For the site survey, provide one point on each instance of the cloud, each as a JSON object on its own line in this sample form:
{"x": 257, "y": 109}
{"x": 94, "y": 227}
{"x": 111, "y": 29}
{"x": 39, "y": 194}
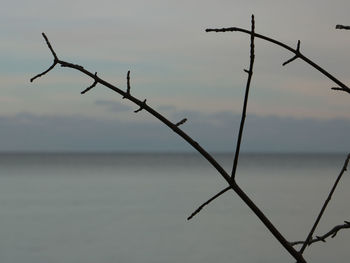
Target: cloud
{"x": 215, "y": 132}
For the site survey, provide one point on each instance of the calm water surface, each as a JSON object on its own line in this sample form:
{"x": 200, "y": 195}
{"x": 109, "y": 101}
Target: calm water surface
{"x": 133, "y": 208}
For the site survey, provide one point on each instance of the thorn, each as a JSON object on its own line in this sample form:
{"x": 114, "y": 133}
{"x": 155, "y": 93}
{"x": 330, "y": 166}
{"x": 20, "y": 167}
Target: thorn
{"x": 181, "y": 122}
{"x": 297, "y": 54}
{"x": 141, "y": 106}
{"x": 336, "y": 88}
{"x": 347, "y": 222}
{"x": 246, "y": 71}
{"x": 90, "y": 87}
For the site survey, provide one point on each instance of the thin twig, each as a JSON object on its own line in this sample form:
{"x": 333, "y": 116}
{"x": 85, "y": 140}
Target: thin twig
{"x": 309, "y": 237}
{"x": 342, "y": 27}
{"x": 332, "y": 233}
{"x": 55, "y": 59}
{"x": 127, "y": 84}
{"x": 245, "y": 104}
{"x": 208, "y": 201}
{"x": 43, "y": 73}
{"x": 181, "y": 122}
{"x": 297, "y": 52}
{"x": 90, "y": 87}
{"x": 337, "y": 88}
{"x": 203, "y": 152}
{"x": 278, "y": 43}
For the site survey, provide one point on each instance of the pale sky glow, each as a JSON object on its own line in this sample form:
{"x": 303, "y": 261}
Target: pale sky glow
{"x": 173, "y": 62}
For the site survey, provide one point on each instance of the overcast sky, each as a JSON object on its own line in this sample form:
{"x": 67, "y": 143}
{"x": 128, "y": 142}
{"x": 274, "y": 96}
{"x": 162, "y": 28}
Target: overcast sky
{"x": 180, "y": 69}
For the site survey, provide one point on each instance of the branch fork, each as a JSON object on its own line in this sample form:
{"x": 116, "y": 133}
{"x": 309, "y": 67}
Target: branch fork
{"x": 297, "y": 55}
{"x": 92, "y": 86}
{"x": 244, "y": 197}
{"x": 230, "y": 179}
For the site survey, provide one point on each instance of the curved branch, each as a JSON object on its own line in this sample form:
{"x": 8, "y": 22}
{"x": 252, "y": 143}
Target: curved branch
{"x": 332, "y": 233}
{"x": 199, "y": 149}
{"x": 295, "y": 51}
{"x": 46, "y": 71}
{"x": 208, "y": 202}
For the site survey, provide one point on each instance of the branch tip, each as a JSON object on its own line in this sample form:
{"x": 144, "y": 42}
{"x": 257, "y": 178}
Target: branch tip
{"x": 181, "y": 122}
{"x": 49, "y": 45}
{"x": 208, "y": 202}
{"x": 128, "y": 83}
{"x": 342, "y": 27}
{"x": 245, "y": 102}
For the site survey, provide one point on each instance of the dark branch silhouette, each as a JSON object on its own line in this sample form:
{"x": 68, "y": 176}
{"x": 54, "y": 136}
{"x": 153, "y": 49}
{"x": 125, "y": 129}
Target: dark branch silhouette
{"x": 229, "y": 179}
{"x": 89, "y": 88}
{"x": 55, "y": 60}
{"x": 181, "y": 122}
{"x": 342, "y": 27}
{"x": 309, "y": 237}
{"x": 194, "y": 144}
{"x": 295, "y": 51}
{"x": 332, "y": 233}
{"x": 297, "y": 55}
{"x": 127, "y": 84}
{"x": 207, "y": 202}
{"x": 142, "y": 106}
{"x": 245, "y": 104}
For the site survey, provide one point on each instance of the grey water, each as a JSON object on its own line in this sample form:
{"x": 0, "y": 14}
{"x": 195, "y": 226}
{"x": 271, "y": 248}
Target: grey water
{"x": 133, "y": 208}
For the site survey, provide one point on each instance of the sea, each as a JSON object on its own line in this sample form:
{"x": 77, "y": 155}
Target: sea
{"x": 133, "y": 207}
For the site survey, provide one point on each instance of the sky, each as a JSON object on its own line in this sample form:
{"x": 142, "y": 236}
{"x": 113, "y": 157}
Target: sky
{"x": 181, "y": 70}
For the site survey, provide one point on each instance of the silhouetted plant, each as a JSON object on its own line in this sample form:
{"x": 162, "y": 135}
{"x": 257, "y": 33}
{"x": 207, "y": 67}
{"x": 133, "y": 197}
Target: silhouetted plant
{"x": 230, "y": 179}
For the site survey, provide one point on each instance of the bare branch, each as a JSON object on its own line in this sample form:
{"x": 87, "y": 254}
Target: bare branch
{"x": 55, "y": 60}
{"x": 50, "y": 47}
{"x": 245, "y": 104}
{"x": 278, "y": 43}
{"x": 90, "y": 87}
{"x": 43, "y": 73}
{"x": 309, "y": 237}
{"x": 341, "y": 89}
{"x": 244, "y": 110}
{"x": 203, "y": 152}
{"x": 342, "y": 27}
{"x": 297, "y": 52}
{"x": 332, "y": 233}
{"x": 207, "y": 202}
